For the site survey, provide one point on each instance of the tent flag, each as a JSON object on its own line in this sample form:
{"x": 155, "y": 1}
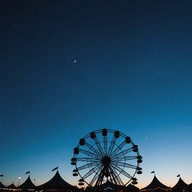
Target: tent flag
{"x": 27, "y": 172}
{"x": 55, "y": 168}
{"x": 152, "y": 171}
{"x": 1, "y": 175}
{"x": 178, "y": 175}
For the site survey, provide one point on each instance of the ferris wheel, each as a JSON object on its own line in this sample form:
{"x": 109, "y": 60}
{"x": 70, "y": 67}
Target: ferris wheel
{"x": 106, "y": 155}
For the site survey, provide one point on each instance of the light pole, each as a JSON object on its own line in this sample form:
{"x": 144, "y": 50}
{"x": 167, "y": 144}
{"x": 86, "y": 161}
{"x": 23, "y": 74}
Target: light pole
{"x": 19, "y": 179}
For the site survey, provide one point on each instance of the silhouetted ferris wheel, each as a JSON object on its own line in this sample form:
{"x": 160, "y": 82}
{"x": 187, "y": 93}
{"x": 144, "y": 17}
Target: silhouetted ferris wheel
{"x": 106, "y": 155}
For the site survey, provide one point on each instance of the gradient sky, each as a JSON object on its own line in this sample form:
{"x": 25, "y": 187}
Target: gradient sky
{"x": 71, "y": 67}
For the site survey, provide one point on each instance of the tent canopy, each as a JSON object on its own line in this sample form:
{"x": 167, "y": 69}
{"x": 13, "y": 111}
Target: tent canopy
{"x": 108, "y": 186}
{"x": 57, "y": 182}
{"x": 155, "y": 183}
{"x": 12, "y": 186}
{"x": 1, "y": 185}
{"x": 27, "y": 184}
{"x": 180, "y": 185}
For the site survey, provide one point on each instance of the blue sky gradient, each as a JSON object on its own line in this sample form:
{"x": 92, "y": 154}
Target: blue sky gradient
{"x": 70, "y": 67}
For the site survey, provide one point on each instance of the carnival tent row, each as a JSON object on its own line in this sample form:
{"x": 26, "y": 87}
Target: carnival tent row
{"x": 56, "y": 183}
{"x": 157, "y": 186}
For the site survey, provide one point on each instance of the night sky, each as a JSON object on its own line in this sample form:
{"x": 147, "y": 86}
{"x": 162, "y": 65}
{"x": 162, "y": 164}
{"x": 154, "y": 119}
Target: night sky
{"x": 71, "y": 67}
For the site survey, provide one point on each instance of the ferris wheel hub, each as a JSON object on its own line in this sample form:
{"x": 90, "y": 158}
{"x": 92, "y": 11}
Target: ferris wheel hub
{"x": 106, "y": 160}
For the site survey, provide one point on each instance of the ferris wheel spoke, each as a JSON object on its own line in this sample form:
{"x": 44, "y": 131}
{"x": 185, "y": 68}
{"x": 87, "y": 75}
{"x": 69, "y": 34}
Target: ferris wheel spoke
{"x": 92, "y": 148}
{"x": 118, "y": 148}
{"x": 115, "y": 177}
{"x": 98, "y": 145}
{"x": 100, "y": 176}
{"x": 90, "y": 172}
{"x": 128, "y": 158}
{"x": 127, "y": 165}
{"x": 120, "y": 170}
{"x": 82, "y": 159}
{"x": 88, "y": 165}
{"x": 122, "y": 153}
{"x": 112, "y": 144}
{"x": 95, "y": 177}
{"x": 105, "y": 144}
{"x": 89, "y": 153}
{"x": 124, "y": 158}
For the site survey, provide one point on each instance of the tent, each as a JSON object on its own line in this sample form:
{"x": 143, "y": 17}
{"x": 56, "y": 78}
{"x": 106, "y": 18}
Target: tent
{"x": 11, "y": 187}
{"x": 108, "y": 186}
{"x": 56, "y": 183}
{"x": 155, "y": 185}
{"x": 180, "y": 186}
{"x": 1, "y": 185}
{"x": 131, "y": 188}
{"x": 27, "y": 184}
{"x": 190, "y": 187}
